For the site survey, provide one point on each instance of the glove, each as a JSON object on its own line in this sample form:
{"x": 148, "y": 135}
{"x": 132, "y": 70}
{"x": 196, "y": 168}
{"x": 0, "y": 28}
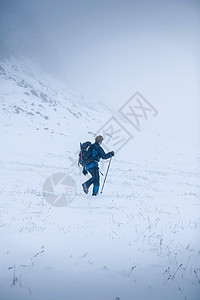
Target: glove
{"x": 84, "y": 172}
{"x": 112, "y": 153}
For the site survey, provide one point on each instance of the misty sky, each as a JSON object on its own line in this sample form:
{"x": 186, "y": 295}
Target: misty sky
{"x": 108, "y": 50}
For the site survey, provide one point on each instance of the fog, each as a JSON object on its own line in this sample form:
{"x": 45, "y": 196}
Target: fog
{"x": 108, "y": 50}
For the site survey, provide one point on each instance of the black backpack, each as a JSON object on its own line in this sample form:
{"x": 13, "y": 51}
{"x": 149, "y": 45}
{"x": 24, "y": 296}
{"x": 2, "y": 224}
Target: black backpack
{"x": 85, "y": 154}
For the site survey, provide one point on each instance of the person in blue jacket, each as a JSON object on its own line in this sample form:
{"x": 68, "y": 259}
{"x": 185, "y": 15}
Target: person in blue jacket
{"x": 93, "y": 168}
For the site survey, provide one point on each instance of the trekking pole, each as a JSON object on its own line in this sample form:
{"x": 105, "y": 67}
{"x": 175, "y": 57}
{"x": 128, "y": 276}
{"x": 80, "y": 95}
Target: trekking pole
{"x": 106, "y": 175}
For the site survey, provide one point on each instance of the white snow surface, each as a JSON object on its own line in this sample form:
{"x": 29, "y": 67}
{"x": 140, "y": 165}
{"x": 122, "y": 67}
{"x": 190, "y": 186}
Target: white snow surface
{"x": 140, "y": 239}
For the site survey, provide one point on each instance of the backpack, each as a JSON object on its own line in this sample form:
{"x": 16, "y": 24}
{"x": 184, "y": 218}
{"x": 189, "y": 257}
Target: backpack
{"x": 85, "y": 154}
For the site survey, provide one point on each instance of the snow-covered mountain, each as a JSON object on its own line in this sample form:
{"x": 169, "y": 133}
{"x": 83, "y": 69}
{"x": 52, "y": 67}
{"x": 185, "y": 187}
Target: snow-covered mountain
{"x": 138, "y": 240}
{"x": 38, "y": 110}
{"x": 39, "y": 116}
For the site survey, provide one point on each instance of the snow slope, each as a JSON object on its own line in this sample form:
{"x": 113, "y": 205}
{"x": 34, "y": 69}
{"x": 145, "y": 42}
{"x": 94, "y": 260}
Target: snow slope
{"x": 35, "y": 108}
{"x": 139, "y": 240}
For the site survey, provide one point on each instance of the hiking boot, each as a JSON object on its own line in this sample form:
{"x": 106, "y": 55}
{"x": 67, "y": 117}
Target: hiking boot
{"x": 95, "y": 190}
{"x": 85, "y": 188}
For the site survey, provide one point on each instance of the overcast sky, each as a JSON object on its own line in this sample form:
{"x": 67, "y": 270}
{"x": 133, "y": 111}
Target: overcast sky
{"x": 108, "y": 50}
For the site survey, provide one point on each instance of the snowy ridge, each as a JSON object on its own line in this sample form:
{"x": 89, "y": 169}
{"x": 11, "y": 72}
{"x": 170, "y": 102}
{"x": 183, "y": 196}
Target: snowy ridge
{"x": 36, "y": 108}
{"x": 28, "y": 89}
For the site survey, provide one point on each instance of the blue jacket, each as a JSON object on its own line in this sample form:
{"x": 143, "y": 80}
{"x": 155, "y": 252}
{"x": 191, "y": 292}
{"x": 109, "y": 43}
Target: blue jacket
{"x": 97, "y": 154}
